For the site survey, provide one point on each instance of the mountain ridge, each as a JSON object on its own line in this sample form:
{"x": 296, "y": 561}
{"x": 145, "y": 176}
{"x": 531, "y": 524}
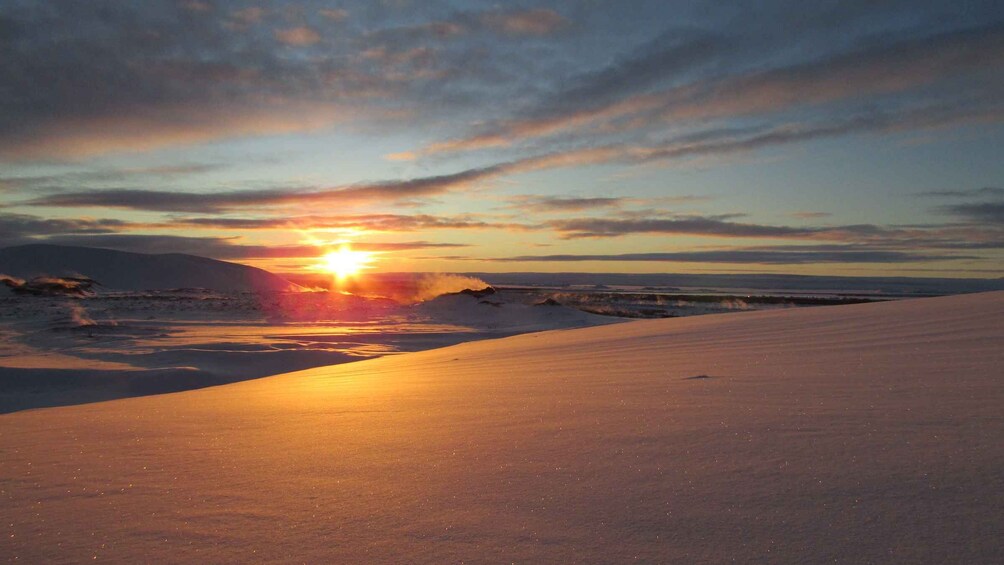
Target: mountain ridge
{"x": 127, "y": 270}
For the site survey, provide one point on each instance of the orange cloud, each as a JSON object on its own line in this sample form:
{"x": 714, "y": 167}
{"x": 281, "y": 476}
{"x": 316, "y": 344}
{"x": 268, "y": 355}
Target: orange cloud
{"x": 507, "y": 133}
{"x": 353, "y": 222}
{"x": 298, "y": 36}
{"x": 529, "y": 22}
{"x": 402, "y": 156}
{"x": 86, "y": 137}
{"x": 334, "y": 14}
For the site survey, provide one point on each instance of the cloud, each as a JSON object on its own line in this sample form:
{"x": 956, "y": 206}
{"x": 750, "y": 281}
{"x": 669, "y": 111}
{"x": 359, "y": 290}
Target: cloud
{"x": 223, "y": 247}
{"x": 985, "y": 231}
{"x": 81, "y": 137}
{"x": 607, "y": 227}
{"x": 298, "y": 36}
{"x": 807, "y": 215}
{"x": 955, "y": 236}
{"x": 89, "y": 78}
{"x": 523, "y": 22}
{"x": 405, "y": 37}
{"x": 714, "y": 144}
{"x": 155, "y": 200}
{"x": 980, "y": 212}
{"x": 552, "y": 204}
{"x": 171, "y": 201}
{"x": 20, "y": 229}
{"x": 197, "y": 6}
{"x": 249, "y": 15}
{"x": 986, "y": 191}
{"x": 537, "y": 203}
{"x": 16, "y": 228}
{"x": 367, "y": 222}
{"x": 401, "y": 156}
{"x": 717, "y": 143}
{"x": 872, "y": 70}
{"x": 404, "y": 246}
{"x": 77, "y": 179}
{"x": 936, "y": 236}
{"x": 730, "y": 141}
{"x": 334, "y": 14}
{"x": 599, "y": 94}
{"x": 612, "y": 93}
{"x": 755, "y": 256}
{"x": 532, "y": 22}
{"x": 216, "y": 247}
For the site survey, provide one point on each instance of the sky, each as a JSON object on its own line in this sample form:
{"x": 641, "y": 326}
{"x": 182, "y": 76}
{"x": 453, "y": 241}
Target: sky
{"x": 836, "y": 138}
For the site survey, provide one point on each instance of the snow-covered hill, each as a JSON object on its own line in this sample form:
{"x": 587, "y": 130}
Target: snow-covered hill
{"x": 868, "y": 433}
{"x": 121, "y": 270}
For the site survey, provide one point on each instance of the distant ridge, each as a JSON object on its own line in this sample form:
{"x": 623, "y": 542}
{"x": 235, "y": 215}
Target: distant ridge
{"x": 122, "y": 270}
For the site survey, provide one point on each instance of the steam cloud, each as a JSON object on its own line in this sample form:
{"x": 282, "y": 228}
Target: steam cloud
{"x": 431, "y": 286}
{"x": 79, "y": 316}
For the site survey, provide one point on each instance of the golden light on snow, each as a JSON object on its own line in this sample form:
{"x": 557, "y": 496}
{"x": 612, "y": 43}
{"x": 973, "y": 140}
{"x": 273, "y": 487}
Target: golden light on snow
{"x": 345, "y": 262}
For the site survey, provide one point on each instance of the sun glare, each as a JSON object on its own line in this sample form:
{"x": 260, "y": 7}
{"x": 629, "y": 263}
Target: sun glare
{"x": 345, "y": 262}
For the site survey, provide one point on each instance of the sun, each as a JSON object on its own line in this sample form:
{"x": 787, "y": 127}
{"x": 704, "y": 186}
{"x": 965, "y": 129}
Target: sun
{"x": 344, "y": 262}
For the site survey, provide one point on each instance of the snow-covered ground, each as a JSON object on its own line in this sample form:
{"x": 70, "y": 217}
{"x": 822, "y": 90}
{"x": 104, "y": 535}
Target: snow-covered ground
{"x": 854, "y": 434}
{"x": 67, "y": 349}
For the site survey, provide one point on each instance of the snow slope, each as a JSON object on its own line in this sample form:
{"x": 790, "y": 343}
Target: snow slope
{"x": 121, "y": 270}
{"x": 855, "y": 434}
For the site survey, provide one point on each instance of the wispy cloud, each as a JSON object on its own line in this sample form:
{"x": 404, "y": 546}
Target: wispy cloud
{"x": 223, "y": 247}
{"x": 134, "y": 78}
{"x": 84, "y": 79}
{"x": 172, "y": 201}
{"x": 14, "y": 228}
{"x": 986, "y": 191}
{"x": 719, "y": 143}
{"x": 334, "y": 14}
{"x": 537, "y": 21}
{"x": 877, "y": 69}
{"x": 249, "y": 15}
{"x": 984, "y": 233}
{"x": 76, "y": 179}
{"x": 980, "y": 212}
{"x": 298, "y": 36}
{"x": 87, "y": 136}
{"x": 545, "y": 204}
{"x": 366, "y": 222}
{"x": 765, "y": 256}
{"x": 607, "y": 227}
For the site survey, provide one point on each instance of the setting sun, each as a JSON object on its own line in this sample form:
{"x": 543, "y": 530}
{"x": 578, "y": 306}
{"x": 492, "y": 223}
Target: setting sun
{"x": 345, "y": 262}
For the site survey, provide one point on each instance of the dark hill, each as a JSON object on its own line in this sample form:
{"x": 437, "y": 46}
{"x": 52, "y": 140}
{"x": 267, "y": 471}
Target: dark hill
{"x": 121, "y": 270}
